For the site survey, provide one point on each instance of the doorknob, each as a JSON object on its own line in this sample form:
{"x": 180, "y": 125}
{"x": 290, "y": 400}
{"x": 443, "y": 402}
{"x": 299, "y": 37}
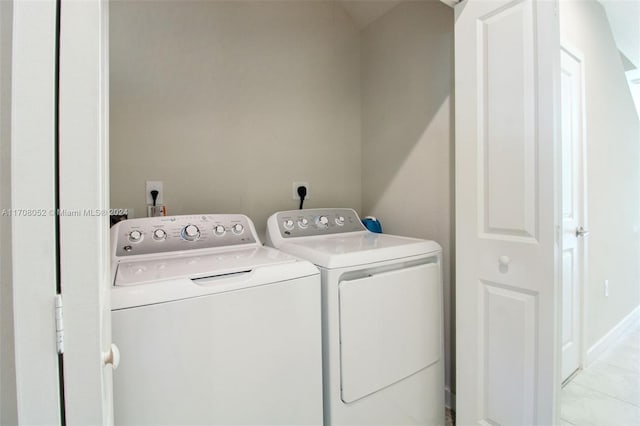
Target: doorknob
{"x": 112, "y": 357}
{"x": 581, "y": 232}
{"x": 503, "y": 264}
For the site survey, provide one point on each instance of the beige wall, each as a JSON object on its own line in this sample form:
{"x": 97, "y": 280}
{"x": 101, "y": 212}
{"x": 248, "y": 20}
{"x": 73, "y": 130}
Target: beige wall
{"x": 228, "y": 103}
{"x": 407, "y": 122}
{"x": 613, "y": 170}
{"x": 8, "y": 403}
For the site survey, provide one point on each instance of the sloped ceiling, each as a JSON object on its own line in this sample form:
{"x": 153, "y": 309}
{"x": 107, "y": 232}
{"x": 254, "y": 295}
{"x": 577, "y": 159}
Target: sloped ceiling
{"x": 624, "y": 18}
{"x": 364, "y": 12}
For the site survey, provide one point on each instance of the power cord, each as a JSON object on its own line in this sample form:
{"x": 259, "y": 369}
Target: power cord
{"x": 302, "y": 193}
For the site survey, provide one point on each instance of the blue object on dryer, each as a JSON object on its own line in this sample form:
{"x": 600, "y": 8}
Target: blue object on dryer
{"x": 372, "y": 224}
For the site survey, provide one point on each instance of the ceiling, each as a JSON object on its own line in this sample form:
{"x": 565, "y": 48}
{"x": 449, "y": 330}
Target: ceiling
{"x": 624, "y": 18}
{"x": 364, "y": 12}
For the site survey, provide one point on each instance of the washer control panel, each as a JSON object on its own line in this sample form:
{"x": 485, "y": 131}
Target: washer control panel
{"x": 152, "y": 235}
{"x": 309, "y": 222}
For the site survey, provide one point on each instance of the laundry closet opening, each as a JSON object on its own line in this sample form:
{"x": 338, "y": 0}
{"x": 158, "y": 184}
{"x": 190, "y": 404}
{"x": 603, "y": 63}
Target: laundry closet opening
{"x": 230, "y": 102}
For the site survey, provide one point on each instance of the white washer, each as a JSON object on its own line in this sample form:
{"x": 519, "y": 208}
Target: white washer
{"x": 382, "y": 317}
{"x": 212, "y": 327}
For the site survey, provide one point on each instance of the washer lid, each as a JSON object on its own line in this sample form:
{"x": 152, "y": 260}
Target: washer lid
{"x": 221, "y": 263}
{"x": 357, "y": 248}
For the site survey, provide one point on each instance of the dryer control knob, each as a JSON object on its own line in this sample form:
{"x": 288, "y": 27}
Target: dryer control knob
{"x": 237, "y": 228}
{"x": 340, "y": 220}
{"x": 219, "y": 230}
{"x": 288, "y": 224}
{"x": 135, "y": 236}
{"x": 322, "y": 221}
{"x": 190, "y": 232}
{"x": 303, "y": 223}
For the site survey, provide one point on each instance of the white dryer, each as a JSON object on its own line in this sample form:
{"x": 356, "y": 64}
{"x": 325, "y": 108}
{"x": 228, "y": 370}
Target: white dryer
{"x": 212, "y": 327}
{"x": 382, "y": 317}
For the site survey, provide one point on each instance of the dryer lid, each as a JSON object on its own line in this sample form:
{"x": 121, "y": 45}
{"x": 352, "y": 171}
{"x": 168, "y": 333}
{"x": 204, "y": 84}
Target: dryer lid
{"x": 357, "y": 248}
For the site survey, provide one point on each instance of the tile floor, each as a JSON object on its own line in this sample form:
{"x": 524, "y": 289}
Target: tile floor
{"x": 607, "y": 393}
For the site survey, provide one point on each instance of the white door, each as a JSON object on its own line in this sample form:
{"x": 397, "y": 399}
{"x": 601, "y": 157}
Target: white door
{"x": 507, "y": 211}
{"x": 573, "y": 219}
{"x": 84, "y": 199}
{"x": 59, "y": 220}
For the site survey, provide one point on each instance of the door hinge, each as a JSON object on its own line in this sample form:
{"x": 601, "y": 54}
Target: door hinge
{"x": 59, "y": 325}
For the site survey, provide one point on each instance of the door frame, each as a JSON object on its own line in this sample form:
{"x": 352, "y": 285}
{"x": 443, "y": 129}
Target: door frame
{"x": 573, "y": 51}
{"x": 33, "y": 212}
{"x": 59, "y": 211}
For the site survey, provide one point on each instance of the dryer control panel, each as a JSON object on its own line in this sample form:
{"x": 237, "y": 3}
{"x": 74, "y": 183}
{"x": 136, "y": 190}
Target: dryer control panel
{"x": 310, "y": 222}
{"x": 155, "y": 235}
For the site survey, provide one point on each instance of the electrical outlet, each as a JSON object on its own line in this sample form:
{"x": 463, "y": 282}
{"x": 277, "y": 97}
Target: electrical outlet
{"x": 295, "y": 190}
{"x": 606, "y": 288}
{"x": 157, "y": 185}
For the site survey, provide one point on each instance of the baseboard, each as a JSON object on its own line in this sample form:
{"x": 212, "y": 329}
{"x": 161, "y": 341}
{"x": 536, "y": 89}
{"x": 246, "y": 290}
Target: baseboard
{"x": 449, "y": 399}
{"x": 614, "y": 334}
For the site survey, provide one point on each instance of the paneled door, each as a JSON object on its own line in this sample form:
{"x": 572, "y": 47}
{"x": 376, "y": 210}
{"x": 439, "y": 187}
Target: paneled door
{"x": 507, "y": 70}
{"x": 573, "y": 211}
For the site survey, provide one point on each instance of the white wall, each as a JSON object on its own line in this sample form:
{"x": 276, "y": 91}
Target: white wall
{"x": 8, "y": 407}
{"x": 613, "y": 170}
{"x": 407, "y": 122}
{"x": 228, "y": 103}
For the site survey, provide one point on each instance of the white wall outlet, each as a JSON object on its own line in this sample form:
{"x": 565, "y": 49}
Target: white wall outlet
{"x": 295, "y": 190}
{"x": 157, "y": 185}
{"x": 606, "y": 288}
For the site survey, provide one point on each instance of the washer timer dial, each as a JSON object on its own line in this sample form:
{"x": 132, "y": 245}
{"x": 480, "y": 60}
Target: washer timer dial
{"x": 190, "y": 232}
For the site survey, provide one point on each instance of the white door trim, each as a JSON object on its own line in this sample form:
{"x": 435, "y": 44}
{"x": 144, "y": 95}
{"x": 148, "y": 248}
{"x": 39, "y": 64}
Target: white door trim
{"x": 33, "y": 205}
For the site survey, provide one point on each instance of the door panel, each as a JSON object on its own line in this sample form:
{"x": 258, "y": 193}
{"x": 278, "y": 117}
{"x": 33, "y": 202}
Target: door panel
{"x": 509, "y": 327}
{"x": 506, "y": 211}
{"x": 506, "y": 118}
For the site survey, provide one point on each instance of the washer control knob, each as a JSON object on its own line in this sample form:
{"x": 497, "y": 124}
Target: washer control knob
{"x": 190, "y": 232}
{"x": 322, "y": 221}
{"x": 237, "y": 228}
{"x": 303, "y": 223}
{"x": 340, "y": 220}
{"x": 135, "y": 236}
{"x": 219, "y": 230}
{"x": 159, "y": 234}
{"x": 288, "y": 224}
